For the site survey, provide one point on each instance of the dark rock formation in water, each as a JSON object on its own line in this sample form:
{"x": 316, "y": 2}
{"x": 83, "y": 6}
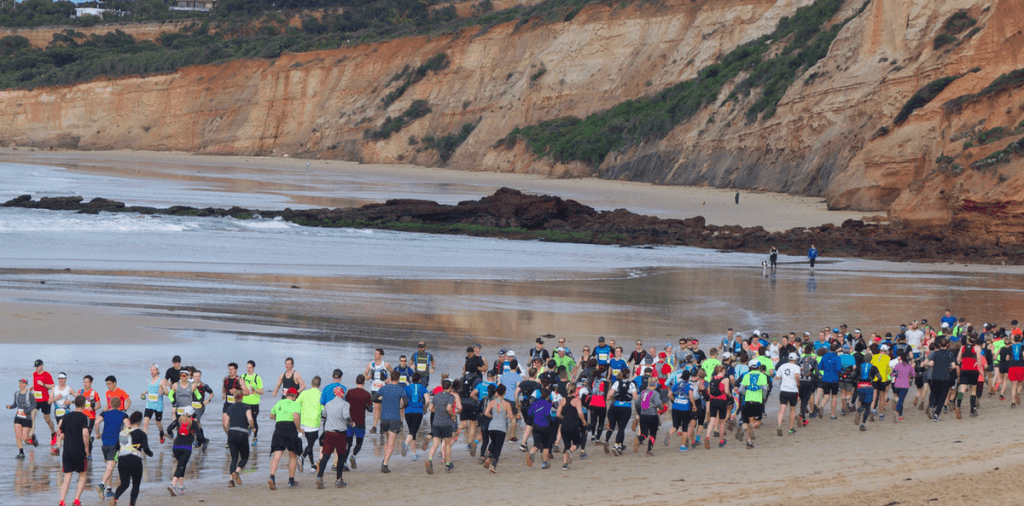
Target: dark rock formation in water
{"x": 512, "y": 214}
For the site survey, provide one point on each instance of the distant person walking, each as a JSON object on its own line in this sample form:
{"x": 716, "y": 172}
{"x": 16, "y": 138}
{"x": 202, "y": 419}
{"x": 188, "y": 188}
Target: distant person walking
{"x": 812, "y": 254}
{"x": 737, "y": 197}
{"x": 773, "y": 256}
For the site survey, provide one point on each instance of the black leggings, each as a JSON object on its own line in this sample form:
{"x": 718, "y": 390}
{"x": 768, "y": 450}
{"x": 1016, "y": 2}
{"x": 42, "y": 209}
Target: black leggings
{"x": 648, "y": 429}
{"x": 311, "y": 438}
{"x": 414, "y": 420}
{"x": 484, "y": 423}
{"x": 497, "y": 441}
{"x": 806, "y": 390}
{"x": 238, "y": 445}
{"x": 618, "y": 416}
{"x": 130, "y": 469}
{"x": 940, "y": 390}
{"x": 597, "y": 417}
{"x": 182, "y": 457}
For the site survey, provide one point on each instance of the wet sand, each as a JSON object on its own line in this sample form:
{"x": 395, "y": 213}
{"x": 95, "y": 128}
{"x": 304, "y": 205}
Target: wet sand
{"x": 773, "y": 211}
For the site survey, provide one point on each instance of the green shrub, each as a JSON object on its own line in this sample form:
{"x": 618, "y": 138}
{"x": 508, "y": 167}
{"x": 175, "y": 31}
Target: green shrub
{"x": 418, "y": 109}
{"x": 1002, "y": 83}
{"x": 540, "y": 72}
{"x": 447, "y": 145}
{"x": 959, "y": 22}
{"x": 944, "y": 39}
{"x": 922, "y": 97}
{"x": 436, "y": 63}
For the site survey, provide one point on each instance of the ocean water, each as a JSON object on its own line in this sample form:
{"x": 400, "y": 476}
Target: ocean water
{"x": 216, "y": 290}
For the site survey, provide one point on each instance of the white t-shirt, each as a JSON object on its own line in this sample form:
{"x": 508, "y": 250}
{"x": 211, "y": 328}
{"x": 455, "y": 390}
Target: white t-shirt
{"x": 788, "y": 372}
{"x": 914, "y": 338}
{"x": 773, "y": 352}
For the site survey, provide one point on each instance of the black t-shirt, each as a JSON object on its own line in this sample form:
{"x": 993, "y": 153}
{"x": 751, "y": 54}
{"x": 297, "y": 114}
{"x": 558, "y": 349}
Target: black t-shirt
{"x": 542, "y": 354}
{"x": 236, "y": 415}
{"x": 526, "y": 387}
{"x": 474, "y": 363}
{"x": 942, "y": 359}
{"x": 72, "y": 426}
{"x": 550, "y": 376}
{"x": 172, "y": 375}
{"x": 701, "y": 357}
{"x": 637, "y": 356}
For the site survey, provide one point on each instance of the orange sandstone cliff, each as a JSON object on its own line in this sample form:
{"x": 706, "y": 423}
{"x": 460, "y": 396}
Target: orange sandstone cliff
{"x": 833, "y": 134}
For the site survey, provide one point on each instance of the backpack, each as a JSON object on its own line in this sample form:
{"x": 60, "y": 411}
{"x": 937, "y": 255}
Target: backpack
{"x": 622, "y": 394}
{"x": 808, "y": 368}
{"x": 716, "y": 387}
{"x": 645, "y": 399}
{"x": 469, "y": 382}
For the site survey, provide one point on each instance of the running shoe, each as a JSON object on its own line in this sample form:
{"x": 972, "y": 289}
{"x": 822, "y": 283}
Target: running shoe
{"x": 697, "y": 439}
{"x": 339, "y": 484}
{"x": 492, "y": 469}
{"x": 101, "y": 488}
{"x": 272, "y": 482}
{"x": 34, "y": 440}
{"x": 636, "y": 445}
{"x": 523, "y": 448}
{"x": 373, "y": 430}
{"x": 256, "y": 441}
{"x": 666, "y": 442}
{"x": 292, "y": 484}
{"x": 405, "y": 449}
{"x": 565, "y": 467}
{"x": 231, "y": 483}
{"x": 415, "y": 457}
{"x": 487, "y": 462}
{"x": 684, "y": 448}
{"x": 352, "y": 461}
{"x": 958, "y": 416}
{"x": 935, "y": 418}
{"x": 606, "y": 450}
{"x": 320, "y": 483}
{"x": 805, "y": 423}
{"x": 650, "y": 453}
{"x": 881, "y": 417}
{"x": 779, "y": 431}
{"x": 555, "y": 449}
{"x": 974, "y": 412}
{"x": 53, "y": 437}
{"x": 384, "y": 469}
{"x": 707, "y": 443}
{"x": 721, "y": 443}
{"x": 583, "y": 455}
{"x": 842, "y": 412}
{"x": 110, "y": 493}
{"x": 739, "y": 433}
{"x": 863, "y": 428}
{"x": 544, "y": 465}
{"x": 237, "y": 478}
{"x": 750, "y": 445}
{"x": 792, "y": 431}
{"x": 426, "y": 442}
{"x": 172, "y": 491}
{"x": 429, "y": 464}
{"x": 472, "y": 449}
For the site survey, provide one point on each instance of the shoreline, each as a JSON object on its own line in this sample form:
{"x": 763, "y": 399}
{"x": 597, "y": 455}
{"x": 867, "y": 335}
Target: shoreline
{"x": 717, "y": 205}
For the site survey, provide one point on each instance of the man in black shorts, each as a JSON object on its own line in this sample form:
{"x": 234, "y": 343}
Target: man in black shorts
{"x": 74, "y": 431}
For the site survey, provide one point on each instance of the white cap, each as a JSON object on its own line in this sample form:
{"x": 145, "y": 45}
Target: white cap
{"x": 857, "y": 331}
{"x": 757, "y": 332}
{"x": 793, "y": 357}
{"x": 884, "y": 347}
{"x": 726, "y": 355}
{"x": 945, "y": 325}
{"x": 560, "y": 349}
{"x": 510, "y": 353}
{"x": 807, "y": 333}
{"x": 754, "y": 364}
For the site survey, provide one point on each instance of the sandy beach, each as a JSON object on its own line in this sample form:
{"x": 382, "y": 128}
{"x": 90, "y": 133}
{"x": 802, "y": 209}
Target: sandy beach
{"x": 773, "y": 211}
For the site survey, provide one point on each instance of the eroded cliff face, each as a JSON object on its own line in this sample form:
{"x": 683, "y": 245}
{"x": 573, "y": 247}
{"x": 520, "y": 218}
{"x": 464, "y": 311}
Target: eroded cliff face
{"x": 832, "y": 135}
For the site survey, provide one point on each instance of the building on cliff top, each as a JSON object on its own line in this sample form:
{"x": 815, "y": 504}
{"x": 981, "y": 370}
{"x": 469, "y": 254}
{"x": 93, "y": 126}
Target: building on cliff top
{"x": 193, "y": 5}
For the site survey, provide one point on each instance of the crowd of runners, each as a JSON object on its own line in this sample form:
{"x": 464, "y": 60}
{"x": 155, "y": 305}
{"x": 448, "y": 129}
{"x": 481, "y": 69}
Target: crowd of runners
{"x": 556, "y": 401}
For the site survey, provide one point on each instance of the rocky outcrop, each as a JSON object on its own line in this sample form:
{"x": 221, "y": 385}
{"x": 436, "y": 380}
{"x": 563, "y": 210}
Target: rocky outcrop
{"x": 832, "y": 135}
{"x": 514, "y": 215}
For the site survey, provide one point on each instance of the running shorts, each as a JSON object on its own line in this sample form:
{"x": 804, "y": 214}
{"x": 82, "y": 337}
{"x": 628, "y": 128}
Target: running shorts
{"x": 441, "y": 431}
{"x": 152, "y": 412}
{"x": 752, "y": 410}
{"x": 356, "y": 431}
{"x": 375, "y": 397}
{"x": 43, "y": 407}
{"x": 541, "y": 438}
{"x": 469, "y": 412}
{"x": 830, "y": 388}
{"x": 1004, "y": 367}
{"x": 24, "y": 422}
{"x": 789, "y": 398}
{"x": 73, "y": 463}
{"x": 334, "y": 442}
{"x": 572, "y": 437}
{"x": 968, "y": 377}
{"x": 286, "y": 440}
{"x": 109, "y": 452}
{"x": 681, "y": 419}
{"x": 391, "y": 426}
{"x": 1016, "y": 374}
{"x": 719, "y": 408}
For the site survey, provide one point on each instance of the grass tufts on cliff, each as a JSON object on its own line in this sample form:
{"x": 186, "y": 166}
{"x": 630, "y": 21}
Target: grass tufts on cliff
{"x": 590, "y": 140}
{"x": 417, "y": 109}
{"x": 1000, "y": 84}
{"x": 446, "y": 145}
{"x": 922, "y": 97}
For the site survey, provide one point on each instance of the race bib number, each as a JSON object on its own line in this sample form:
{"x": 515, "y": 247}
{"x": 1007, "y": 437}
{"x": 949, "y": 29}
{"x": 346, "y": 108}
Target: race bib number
{"x": 197, "y": 405}
{"x": 377, "y": 384}
{"x": 60, "y": 412}
{"x": 403, "y": 379}
{"x": 179, "y": 411}
{"x": 231, "y": 398}
{"x": 21, "y": 413}
{"x": 616, "y": 372}
{"x": 153, "y": 397}
{"x": 38, "y": 395}
{"x": 421, "y": 367}
{"x": 603, "y": 357}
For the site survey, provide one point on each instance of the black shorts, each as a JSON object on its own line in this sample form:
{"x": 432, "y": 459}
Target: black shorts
{"x": 73, "y": 463}
{"x": 441, "y": 431}
{"x": 286, "y": 440}
{"x": 375, "y": 397}
{"x": 43, "y": 407}
{"x": 752, "y": 410}
{"x": 830, "y": 388}
{"x": 919, "y": 380}
{"x": 789, "y": 398}
{"x": 969, "y": 377}
{"x": 24, "y": 422}
{"x": 152, "y": 412}
{"x": 879, "y": 385}
{"x": 719, "y": 408}
{"x": 572, "y": 437}
{"x": 681, "y": 419}
{"x": 700, "y": 414}
{"x": 255, "y": 410}
{"x": 1004, "y": 367}
{"x": 515, "y": 408}
{"x": 542, "y": 438}
{"x": 469, "y": 412}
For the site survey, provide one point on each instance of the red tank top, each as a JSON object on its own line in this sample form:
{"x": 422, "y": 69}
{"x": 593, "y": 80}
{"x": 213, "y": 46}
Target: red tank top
{"x": 968, "y": 360}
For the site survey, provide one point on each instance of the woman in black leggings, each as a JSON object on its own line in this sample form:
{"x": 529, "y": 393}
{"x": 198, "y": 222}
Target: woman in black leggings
{"x": 133, "y": 444}
{"x": 188, "y": 432}
{"x": 498, "y": 411}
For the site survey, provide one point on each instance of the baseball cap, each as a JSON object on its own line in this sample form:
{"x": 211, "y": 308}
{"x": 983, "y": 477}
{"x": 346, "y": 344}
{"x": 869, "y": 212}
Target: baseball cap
{"x": 1014, "y": 322}
{"x": 757, "y": 332}
{"x": 924, "y": 321}
{"x": 793, "y": 357}
{"x": 600, "y": 339}
{"x": 884, "y": 347}
{"x": 753, "y": 364}
{"x": 835, "y": 329}
{"x": 62, "y": 375}
{"x": 337, "y": 373}
{"x": 695, "y": 341}
{"x": 510, "y": 353}
{"x": 846, "y": 347}
{"x": 807, "y": 333}
{"x": 23, "y": 380}
{"x": 560, "y": 348}
{"x": 291, "y": 391}
{"x": 503, "y": 351}
{"x": 667, "y": 346}
{"x": 726, "y": 356}
{"x": 39, "y": 362}
{"x": 945, "y": 325}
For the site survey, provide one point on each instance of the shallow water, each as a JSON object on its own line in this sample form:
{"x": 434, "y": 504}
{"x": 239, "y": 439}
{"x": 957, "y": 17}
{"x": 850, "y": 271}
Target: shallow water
{"x": 221, "y": 290}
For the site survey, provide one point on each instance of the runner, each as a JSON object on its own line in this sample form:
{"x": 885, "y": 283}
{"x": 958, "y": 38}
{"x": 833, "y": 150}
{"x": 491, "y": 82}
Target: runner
{"x": 808, "y": 364}
{"x": 254, "y": 389}
{"x": 499, "y": 410}
{"x": 683, "y": 401}
{"x": 881, "y": 361}
{"x": 480, "y": 396}
{"x": 405, "y": 371}
{"x": 647, "y": 406}
{"x": 719, "y": 391}
{"x": 942, "y": 364}
{"x": 377, "y": 372}
{"x": 526, "y": 392}
{"x": 154, "y": 397}
{"x": 789, "y": 375}
{"x": 188, "y": 432}
{"x": 74, "y": 431}
{"x": 538, "y": 351}
{"x": 237, "y": 421}
{"x": 539, "y": 414}
{"x": 830, "y": 366}
{"x": 335, "y": 423}
{"x": 113, "y": 422}
{"x": 181, "y": 393}
{"x": 63, "y": 400}
{"x": 638, "y": 355}
{"x": 360, "y": 403}
{"x": 423, "y": 362}
{"x": 443, "y": 406}
{"x": 570, "y": 412}
{"x": 621, "y": 398}
{"x": 417, "y": 394}
{"x": 392, "y": 399}
{"x": 25, "y": 403}
{"x": 602, "y": 352}
{"x": 472, "y": 370}
{"x": 1015, "y": 372}
{"x": 132, "y": 444}
{"x": 288, "y": 423}
{"x": 970, "y": 373}
{"x": 597, "y": 403}
{"x": 616, "y": 365}
{"x": 867, "y": 375}
{"x": 42, "y": 382}
{"x": 173, "y": 372}
{"x": 290, "y": 378}
{"x": 92, "y": 403}
{"x": 309, "y": 409}
{"x": 755, "y": 383}
{"x": 202, "y": 394}
{"x": 902, "y": 374}
{"x": 511, "y": 379}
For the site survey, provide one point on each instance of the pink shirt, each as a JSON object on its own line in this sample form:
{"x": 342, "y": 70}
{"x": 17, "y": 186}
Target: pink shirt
{"x": 902, "y": 374}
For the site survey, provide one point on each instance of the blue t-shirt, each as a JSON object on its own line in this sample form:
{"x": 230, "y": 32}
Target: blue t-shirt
{"x": 617, "y": 366}
{"x": 511, "y": 380}
{"x": 682, "y": 393}
{"x": 416, "y": 392}
{"x": 112, "y": 425}
{"x": 830, "y": 367}
{"x": 481, "y": 391}
{"x": 404, "y": 375}
{"x": 328, "y": 394}
{"x": 821, "y": 344}
{"x": 391, "y": 396}
{"x": 603, "y": 354}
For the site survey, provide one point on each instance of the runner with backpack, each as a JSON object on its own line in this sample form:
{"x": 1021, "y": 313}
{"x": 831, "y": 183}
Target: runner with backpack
{"x": 621, "y": 398}
{"x": 719, "y": 391}
{"x": 647, "y": 406}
